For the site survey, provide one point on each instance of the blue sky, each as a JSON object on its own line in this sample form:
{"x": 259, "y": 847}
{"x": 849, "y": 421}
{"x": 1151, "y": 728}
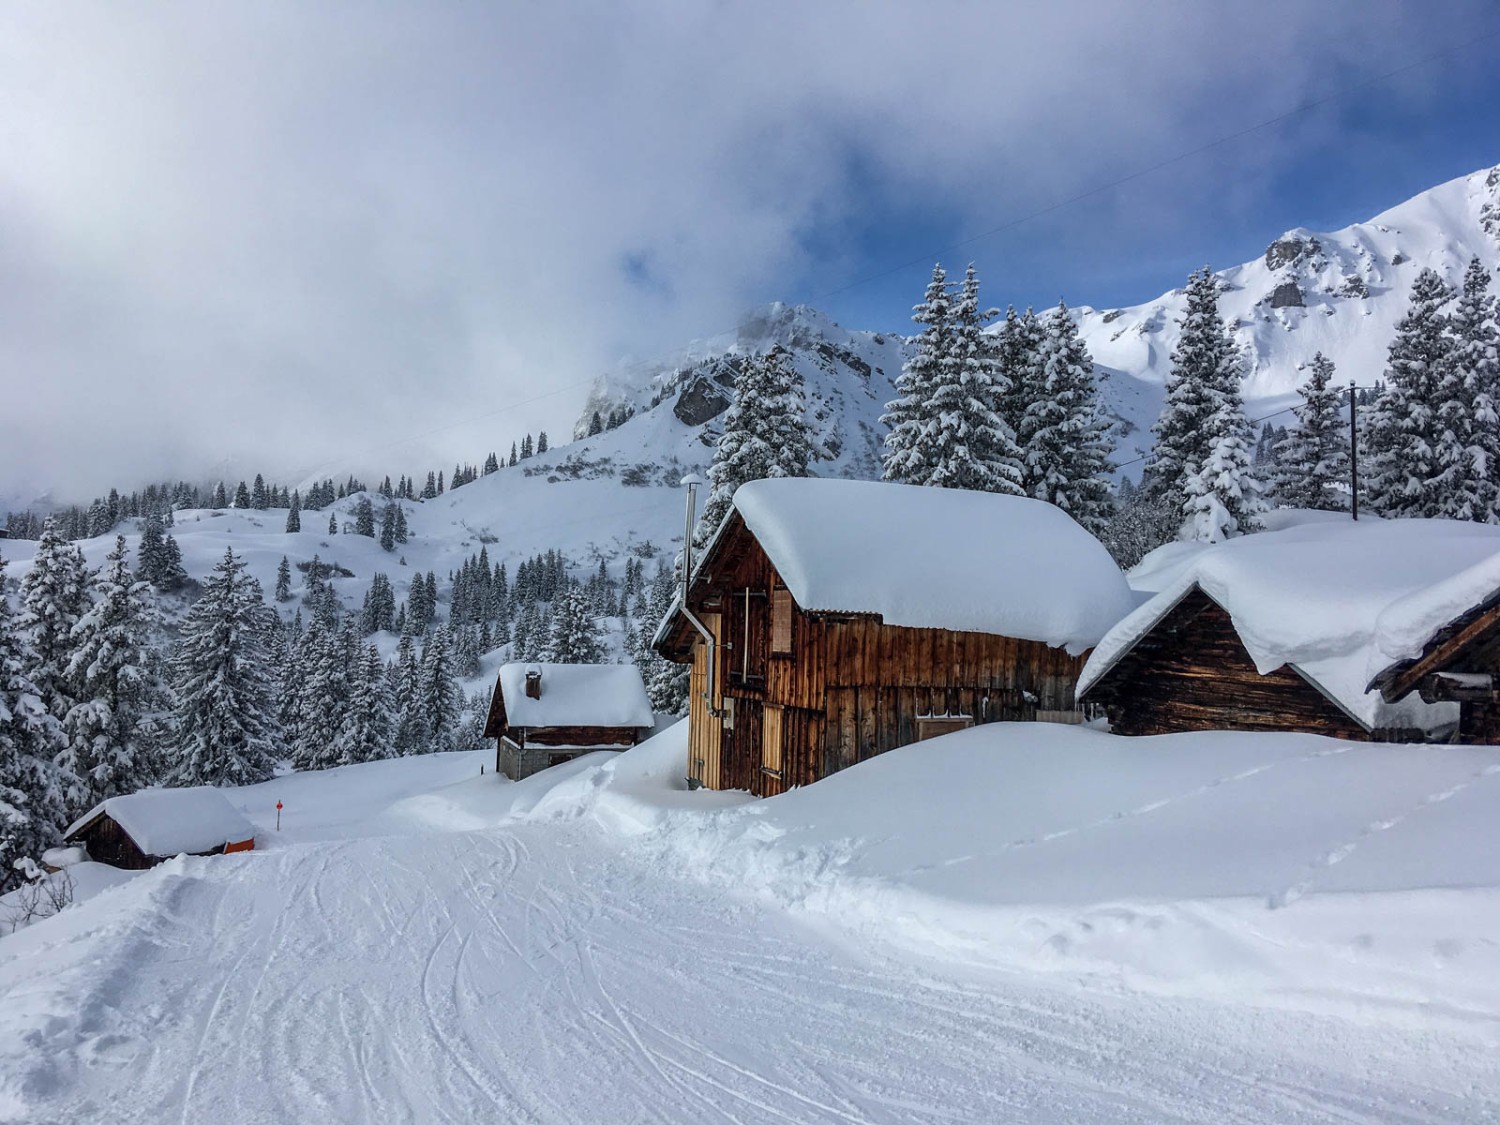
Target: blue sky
{"x": 266, "y": 237}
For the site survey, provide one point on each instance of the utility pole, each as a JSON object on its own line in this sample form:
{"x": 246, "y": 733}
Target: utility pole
{"x": 1353, "y": 456}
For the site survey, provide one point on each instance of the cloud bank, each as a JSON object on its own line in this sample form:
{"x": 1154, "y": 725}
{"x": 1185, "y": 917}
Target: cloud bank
{"x": 293, "y": 238}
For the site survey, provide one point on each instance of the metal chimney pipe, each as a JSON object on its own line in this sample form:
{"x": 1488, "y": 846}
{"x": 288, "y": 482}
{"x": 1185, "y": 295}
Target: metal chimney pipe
{"x": 692, "y": 481}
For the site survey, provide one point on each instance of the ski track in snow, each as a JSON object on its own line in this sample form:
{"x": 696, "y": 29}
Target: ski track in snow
{"x": 545, "y": 974}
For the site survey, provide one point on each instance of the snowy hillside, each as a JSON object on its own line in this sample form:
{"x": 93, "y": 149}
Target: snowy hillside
{"x": 1018, "y": 923}
{"x": 1340, "y": 293}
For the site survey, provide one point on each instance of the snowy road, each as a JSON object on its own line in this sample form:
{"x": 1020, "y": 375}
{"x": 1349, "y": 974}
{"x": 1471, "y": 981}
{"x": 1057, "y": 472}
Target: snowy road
{"x": 537, "y": 974}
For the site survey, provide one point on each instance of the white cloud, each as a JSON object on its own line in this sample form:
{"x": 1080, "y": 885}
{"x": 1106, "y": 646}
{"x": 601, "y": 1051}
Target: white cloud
{"x": 283, "y": 234}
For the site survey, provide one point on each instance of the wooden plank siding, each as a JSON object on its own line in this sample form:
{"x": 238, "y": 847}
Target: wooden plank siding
{"x": 819, "y": 692}
{"x": 1192, "y": 672}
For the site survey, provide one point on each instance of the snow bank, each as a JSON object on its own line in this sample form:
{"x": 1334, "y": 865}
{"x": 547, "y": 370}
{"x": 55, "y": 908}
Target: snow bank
{"x": 588, "y": 695}
{"x": 167, "y": 822}
{"x": 937, "y": 558}
{"x": 1311, "y": 595}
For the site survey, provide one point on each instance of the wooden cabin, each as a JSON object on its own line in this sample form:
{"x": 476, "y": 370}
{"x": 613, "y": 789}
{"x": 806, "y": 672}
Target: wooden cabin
{"x": 1189, "y": 670}
{"x": 1457, "y": 663}
{"x": 847, "y": 618}
{"x": 142, "y": 829}
{"x": 1280, "y": 630}
{"x": 544, "y": 714}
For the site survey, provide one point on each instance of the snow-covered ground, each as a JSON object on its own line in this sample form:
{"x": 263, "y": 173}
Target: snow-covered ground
{"x": 1016, "y": 923}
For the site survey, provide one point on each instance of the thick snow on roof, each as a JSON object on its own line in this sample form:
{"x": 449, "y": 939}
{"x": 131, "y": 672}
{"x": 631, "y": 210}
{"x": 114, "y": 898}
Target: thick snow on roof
{"x": 169, "y": 821}
{"x": 1407, "y": 624}
{"x": 576, "y": 695}
{"x": 937, "y": 558}
{"x": 1312, "y": 595}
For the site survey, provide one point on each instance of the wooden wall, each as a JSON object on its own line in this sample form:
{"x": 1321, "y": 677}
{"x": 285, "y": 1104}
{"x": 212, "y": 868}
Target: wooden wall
{"x": 1191, "y": 672}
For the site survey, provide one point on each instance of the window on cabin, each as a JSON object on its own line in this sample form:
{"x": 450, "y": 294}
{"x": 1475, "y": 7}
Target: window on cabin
{"x": 781, "y": 621}
{"x": 746, "y": 627}
{"x": 931, "y": 726}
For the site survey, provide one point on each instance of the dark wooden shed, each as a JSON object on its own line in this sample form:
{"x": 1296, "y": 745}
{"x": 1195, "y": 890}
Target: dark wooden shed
{"x": 140, "y": 830}
{"x": 851, "y": 617}
{"x": 1459, "y": 663}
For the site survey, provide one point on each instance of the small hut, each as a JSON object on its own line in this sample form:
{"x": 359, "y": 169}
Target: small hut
{"x": 831, "y": 620}
{"x": 143, "y": 829}
{"x": 1278, "y": 631}
{"x": 1443, "y": 645}
{"x": 545, "y": 714}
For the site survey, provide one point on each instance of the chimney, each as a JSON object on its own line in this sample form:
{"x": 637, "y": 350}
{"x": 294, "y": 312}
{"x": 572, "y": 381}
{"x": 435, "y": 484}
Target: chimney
{"x": 534, "y": 683}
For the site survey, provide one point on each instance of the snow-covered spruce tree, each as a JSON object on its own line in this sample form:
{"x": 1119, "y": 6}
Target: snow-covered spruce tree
{"x": 32, "y": 810}
{"x": 112, "y": 742}
{"x": 325, "y": 695}
{"x": 173, "y": 577}
{"x": 1142, "y": 522}
{"x": 364, "y": 733}
{"x": 224, "y": 717}
{"x": 1182, "y": 437}
{"x": 441, "y": 696}
{"x": 1064, "y": 431}
{"x": 1015, "y": 352}
{"x": 1404, "y": 477}
{"x": 666, "y": 683}
{"x": 151, "y": 555}
{"x": 409, "y": 730}
{"x": 906, "y": 415}
{"x": 1224, "y": 495}
{"x": 364, "y": 517}
{"x": 764, "y": 435}
{"x": 54, "y": 595}
{"x": 283, "y": 580}
{"x": 574, "y": 638}
{"x": 1469, "y": 405}
{"x": 388, "y": 527}
{"x": 294, "y": 513}
{"x": 1312, "y": 461}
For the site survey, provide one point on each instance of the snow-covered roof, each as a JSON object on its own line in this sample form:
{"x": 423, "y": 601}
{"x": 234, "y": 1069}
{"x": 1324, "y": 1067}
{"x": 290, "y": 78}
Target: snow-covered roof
{"x": 576, "y": 695}
{"x": 937, "y": 558}
{"x": 1315, "y": 595}
{"x": 168, "y": 821}
{"x": 1407, "y": 625}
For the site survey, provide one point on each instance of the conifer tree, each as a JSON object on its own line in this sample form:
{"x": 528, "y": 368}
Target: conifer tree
{"x": 1404, "y": 476}
{"x": 765, "y": 434}
{"x": 225, "y": 721}
{"x": 596, "y": 425}
{"x": 112, "y": 738}
{"x": 294, "y": 513}
{"x": 32, "y": 811}
{"x": 1182, "y": 439}
{"x": 151, "y": 554}
{"x": 1469, "y": 404}
{"x": 242, "y": 496}
{"x": 526, "y": 447}
{"x": 1064, "y": 431}
{"x": 512, "y": 453}
{"x": 541, "y": 441}
{"x": 173, "y": 576}
{"x": 221, "y": 499}
{"x": 364, "y": 733}
{"x": 410, "y": 731}
{"x": 364, "y": 517}
{"x": 491, "y": 464}
{"x": 258, "y": 498}
{"x": 388, "y": 527}
{"x": 284, "y": 580}
{"x": 54, "y": 595}
{"x": 1312, "y": 461}
{"x": 906, "y": 416}
{"x": 574, "y": 638}
{"x": 333, "y": 523}
{"x": 441, "y": 697}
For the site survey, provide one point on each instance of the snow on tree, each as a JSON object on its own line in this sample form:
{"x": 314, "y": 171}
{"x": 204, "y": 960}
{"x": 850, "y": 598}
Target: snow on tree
{"x": 574, "y": 637}
{"x": 1182, "y": 441}
{"x": 173, "y": 576}
{"x": 1312, "y": 461}
{"x": 333, "y": 523}
{"x": 364, "y": 733}
{"x": 242, "y": 496}
{"x": 945, "y": 428}
{"x": 1016, "y": 347}
{"x": 1064, "y": 431}
{"x": 1224, "y": 495}
{"x": 151, "y": 554}
{"x": 1468, "y": 409}
{"x": 364, "y": 517}
{"x": 259, "y": 500}
{"x": 32, "y": 810}
{"x": 764, "y": 435}
{"x": 54, "y": 595}
{"x": 224, "y": 719}
{"x": 283, "y": 580}
{"x": 409, "y": 733}
{"x": 112, "y": 738}
{"x": 441, "y": 697}
{"x": 1404, "y": 476}
{"x": 294, "y": 513}
{"x": 325, "y": 695}
{"x": 388, "y": 527}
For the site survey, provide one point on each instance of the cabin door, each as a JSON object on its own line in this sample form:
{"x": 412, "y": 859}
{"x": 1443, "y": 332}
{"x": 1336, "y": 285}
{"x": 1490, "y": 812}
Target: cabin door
{"x": 772, "y": 754}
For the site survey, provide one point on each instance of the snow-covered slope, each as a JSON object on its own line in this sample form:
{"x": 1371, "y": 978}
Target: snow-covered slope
{"x": 1338, "y": 292}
